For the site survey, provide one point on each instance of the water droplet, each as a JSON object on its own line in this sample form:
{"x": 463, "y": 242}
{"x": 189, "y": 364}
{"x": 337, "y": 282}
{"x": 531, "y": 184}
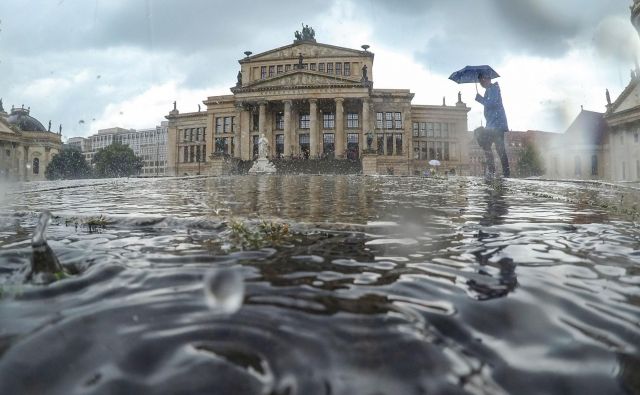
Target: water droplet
{"x": 224, "y": 290}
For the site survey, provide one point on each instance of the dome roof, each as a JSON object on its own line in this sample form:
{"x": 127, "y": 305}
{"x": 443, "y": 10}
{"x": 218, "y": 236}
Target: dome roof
{"x": 20, "y": 117}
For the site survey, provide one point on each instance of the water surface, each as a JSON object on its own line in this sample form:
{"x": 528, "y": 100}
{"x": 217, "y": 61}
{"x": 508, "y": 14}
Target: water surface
{"x": 383, "y": 285}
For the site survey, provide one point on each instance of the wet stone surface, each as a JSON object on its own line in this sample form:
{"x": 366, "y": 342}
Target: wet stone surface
{"x": 322, "y": 285}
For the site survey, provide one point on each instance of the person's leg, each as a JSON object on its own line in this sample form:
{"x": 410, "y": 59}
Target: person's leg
{"x": 502, "y": 152}
{"x": 483, "y": 136}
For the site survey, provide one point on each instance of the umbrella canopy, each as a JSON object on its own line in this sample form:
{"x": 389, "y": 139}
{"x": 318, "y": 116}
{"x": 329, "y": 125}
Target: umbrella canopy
{"x": 470, "y": 74}
{"x": 434, "y": 162}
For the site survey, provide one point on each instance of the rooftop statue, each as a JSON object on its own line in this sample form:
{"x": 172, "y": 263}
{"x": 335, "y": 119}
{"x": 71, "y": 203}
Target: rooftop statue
{"x": 308, "y": 34}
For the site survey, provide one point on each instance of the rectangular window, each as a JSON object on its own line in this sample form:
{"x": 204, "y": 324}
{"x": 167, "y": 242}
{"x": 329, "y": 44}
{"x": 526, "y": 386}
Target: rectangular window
{"x": 321, "y": 67}
{"x": 423, "y": 150}
{"x": 204, "y": 152}
{"x": 279, "y": 69}
{"x": 280, "y": 121}
{"x": 185, "y": 156}
{"x": 416, "y": 129}
{"x": 445, "y": 130}
{"x": 352, "y": 120}
{"x": 380, "y": 138}
{"x": 287, "y": 67}
{"x": 227, "y": 125}
{"x": 388, "y": 117}
{"x": 436, "y": 131}
{"x": 263, "y": 72}
{"x": 423, "y": 129}
{"x": 192, "y": 153}
{"x": 328, "y": 120}
{"x": 329, "y": 68}
{"x": 397, "y": 117}
{"x": 312, "y": 66}
{"x": 218, "y": 125}
{"x": 429, "y": 129}
{"x": 338, "y": 68}
{"x": 305, "y": 120}
{"x": 305, "y": 66}
{"x": 389, "y": 144}
{"x": 272, "y": 71}
{"x": 379, "y": 119}
{"x": 279, "y": 145}
{"x": 255, "y": 121}
{"x": 328, "y": 144}
{"x": 197, "y": 153}
{"x": 398, "y": 143}
{"x": 446, "y": 150}
{"x": 431, "y": 150}
{"x": 347, "y": 68}
{"x": 304, "y": 145}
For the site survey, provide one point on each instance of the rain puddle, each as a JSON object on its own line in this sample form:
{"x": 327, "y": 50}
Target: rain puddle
{"x": 321, "y": 285}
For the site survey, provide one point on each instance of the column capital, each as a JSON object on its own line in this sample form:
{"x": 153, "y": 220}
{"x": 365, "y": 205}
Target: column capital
{"x": 287, "y": 101}
{"x": 339, "y": 99}
{"x": 313, "y": 100}
{"x": 263, "y": 102}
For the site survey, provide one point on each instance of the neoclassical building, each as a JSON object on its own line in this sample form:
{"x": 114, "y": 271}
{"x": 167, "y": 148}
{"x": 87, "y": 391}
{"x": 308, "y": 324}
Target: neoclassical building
{"x": 623, "y": 118}
{"x": 26, "y": 147}
{"x": 317, "y": 101}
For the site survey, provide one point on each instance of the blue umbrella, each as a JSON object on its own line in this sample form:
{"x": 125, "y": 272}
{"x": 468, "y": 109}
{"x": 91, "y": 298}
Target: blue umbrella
{"x": 470, "y": 74}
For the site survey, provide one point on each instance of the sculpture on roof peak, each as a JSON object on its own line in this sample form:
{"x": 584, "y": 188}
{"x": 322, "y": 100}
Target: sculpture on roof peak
{"x": 307, "y": 34}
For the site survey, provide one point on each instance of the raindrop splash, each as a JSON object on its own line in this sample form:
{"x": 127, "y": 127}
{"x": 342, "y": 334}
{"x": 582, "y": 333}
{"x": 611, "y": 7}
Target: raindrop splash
{"x": 224, "y": 290}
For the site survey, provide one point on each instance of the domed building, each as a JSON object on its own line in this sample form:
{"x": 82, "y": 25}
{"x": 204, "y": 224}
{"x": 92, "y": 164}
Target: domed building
{"x": 26, "y": 146}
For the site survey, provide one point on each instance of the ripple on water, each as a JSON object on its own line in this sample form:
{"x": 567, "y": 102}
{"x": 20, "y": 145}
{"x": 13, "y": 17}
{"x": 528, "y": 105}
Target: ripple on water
{"x": 383, "y": 285}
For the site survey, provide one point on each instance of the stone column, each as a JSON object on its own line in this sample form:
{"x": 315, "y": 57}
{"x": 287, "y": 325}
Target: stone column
{"x": 313, "y": 128}
{"x": 262, "y": 118}
{"x": 16, "y": 161}
{"x": 244, "y": 145}
{"x": 366, "y": 126}
{"x": 339, "y": 137}
{"x": 287, "y": 128}
{"x": 25, "y": 171}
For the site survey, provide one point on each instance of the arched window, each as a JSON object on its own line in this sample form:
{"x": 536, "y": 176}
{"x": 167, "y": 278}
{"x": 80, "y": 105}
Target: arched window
{"x": 36, "y": 166}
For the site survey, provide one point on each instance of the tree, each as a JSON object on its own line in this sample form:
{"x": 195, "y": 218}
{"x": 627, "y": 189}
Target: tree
{"x": 116, "y": 160}
{"x": 68, "y": 164}
{"x": 530, "y": 163}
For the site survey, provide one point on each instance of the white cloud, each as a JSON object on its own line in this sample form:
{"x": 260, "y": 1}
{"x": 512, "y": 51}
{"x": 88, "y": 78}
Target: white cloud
{"x": 148, "y": 108}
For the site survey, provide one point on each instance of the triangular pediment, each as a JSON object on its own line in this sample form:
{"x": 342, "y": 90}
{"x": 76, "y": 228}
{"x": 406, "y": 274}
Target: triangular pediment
{"x": 629, "y": 98}
{"x": 5, "y": 128}
{"x": 300, "y": 78}
{"x": 308, "y": 49}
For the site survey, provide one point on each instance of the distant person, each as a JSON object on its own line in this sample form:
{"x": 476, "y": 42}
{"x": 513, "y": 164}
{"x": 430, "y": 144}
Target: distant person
{"x": 493, "y": 133}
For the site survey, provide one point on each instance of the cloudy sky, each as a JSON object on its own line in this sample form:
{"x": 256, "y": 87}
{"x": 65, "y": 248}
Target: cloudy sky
{"x": 95, "y": 64}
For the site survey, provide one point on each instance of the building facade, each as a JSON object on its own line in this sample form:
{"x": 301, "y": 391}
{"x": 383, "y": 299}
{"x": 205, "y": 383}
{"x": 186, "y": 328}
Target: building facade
{"x": 26, "y": 147}
{"x": 317, "y": 101}
{"x": 148, "y": 144}
{"x": 582, "y": 151}
{"x": 623, "y": 119}
{"x": 515, "y": 143}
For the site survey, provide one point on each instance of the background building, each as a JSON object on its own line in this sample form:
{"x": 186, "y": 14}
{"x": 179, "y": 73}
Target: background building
{"x": 26, "y": 147}
{"x": 148, "y": 144}
{"x": 515, "y": 142}
{"x": 315, "y": 101}
{"x": 582, "y": 151}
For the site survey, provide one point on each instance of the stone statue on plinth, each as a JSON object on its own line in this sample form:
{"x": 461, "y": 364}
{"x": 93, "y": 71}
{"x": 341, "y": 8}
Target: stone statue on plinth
{"x": 262, "y": 164}
{"x": 365, "y": 77}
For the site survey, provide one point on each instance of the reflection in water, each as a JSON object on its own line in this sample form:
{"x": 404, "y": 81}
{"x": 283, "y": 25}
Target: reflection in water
{"x": 393, "y": 285}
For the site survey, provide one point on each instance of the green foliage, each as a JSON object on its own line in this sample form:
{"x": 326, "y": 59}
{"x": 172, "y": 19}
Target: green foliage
{"x": 116, "y": 160}
{"x": 68, "y": 164}
{"x": 530, "y": 163}
{"x": 263, "y": 235}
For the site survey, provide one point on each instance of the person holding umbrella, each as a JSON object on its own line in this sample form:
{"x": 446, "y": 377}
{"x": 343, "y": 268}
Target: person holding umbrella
{"x": 494, "y": 114}
{"x": 496, "y": 124}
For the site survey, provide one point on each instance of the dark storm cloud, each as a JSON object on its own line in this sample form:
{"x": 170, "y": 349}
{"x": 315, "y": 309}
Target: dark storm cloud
{"x": 457, "y": 32}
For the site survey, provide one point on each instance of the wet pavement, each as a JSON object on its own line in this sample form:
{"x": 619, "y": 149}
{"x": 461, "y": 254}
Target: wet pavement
{"x": 322, "y": 285}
